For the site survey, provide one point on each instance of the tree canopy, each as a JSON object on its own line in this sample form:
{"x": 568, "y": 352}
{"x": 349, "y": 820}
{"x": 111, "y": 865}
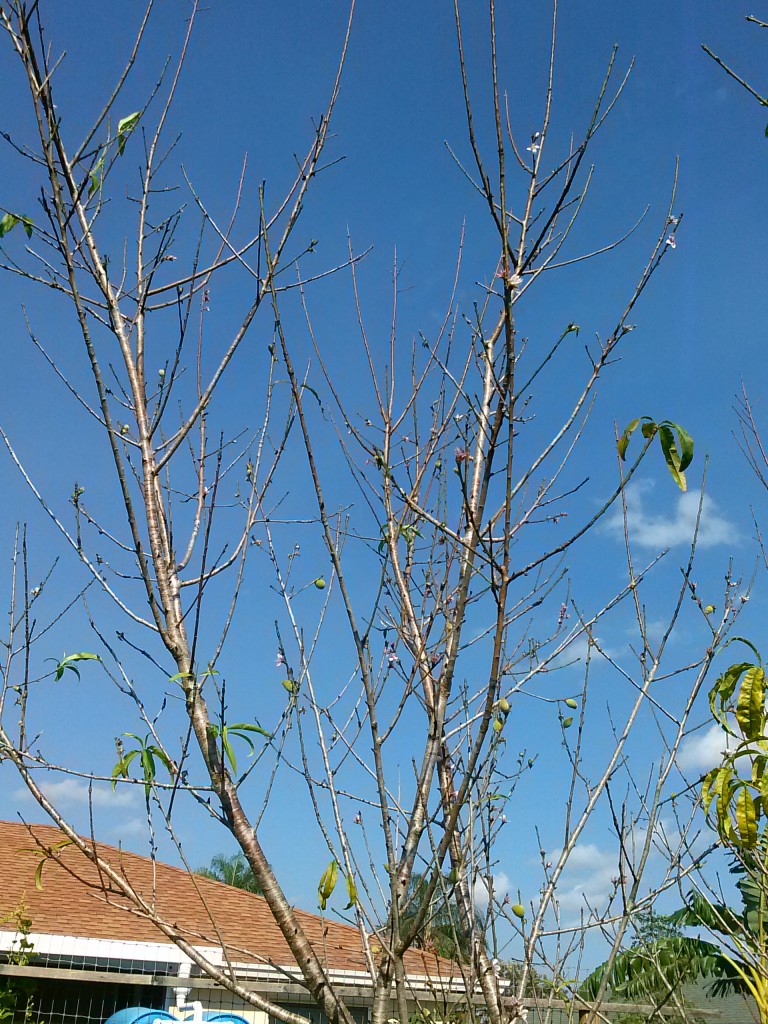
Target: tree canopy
{"x": 232, "y": 869}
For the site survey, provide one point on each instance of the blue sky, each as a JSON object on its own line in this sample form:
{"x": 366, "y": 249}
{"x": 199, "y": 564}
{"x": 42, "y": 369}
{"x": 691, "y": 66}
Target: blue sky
{"x": 256, "y": 76}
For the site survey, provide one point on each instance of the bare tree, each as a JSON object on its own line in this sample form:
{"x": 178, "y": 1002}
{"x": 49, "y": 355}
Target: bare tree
{"x": 445, "y": 520}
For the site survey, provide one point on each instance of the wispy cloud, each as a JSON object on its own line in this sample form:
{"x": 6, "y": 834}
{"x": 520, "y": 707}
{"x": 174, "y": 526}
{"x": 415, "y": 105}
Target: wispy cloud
{"x": 659, "y": 529}
{"x": 703, "y": 749}
{"x": 76, "y": 793}
{"x": 130, "y": 828}
{"x": 577, "y": 651}
{"x": 500, "y": 890}
{"x": 591, "y": 876}
{"x": 588, "y": 878}
{"x": 574, "y": 654}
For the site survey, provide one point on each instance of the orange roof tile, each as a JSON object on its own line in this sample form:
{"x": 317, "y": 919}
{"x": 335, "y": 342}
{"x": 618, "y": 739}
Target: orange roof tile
{"x": 74, "y": 902}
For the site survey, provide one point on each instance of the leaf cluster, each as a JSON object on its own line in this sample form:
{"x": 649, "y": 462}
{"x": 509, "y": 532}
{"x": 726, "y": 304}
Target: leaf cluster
{"x": 735, "y": 793}
{"x": 676, "y": 444}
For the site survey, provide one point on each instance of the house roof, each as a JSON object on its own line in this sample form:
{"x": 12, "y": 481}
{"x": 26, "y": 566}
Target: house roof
{"x": 76, "y": 901}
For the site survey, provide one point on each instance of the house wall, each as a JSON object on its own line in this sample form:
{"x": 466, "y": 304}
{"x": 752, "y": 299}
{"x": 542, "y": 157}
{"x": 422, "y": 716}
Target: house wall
{"x": 215, "y": 999}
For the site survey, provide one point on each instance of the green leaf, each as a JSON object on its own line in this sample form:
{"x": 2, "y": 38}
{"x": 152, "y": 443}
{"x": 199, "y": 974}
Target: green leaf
{"x": 648, "y": 429}
{"x": 306, "y": 387}
{"x": 241, "y": 730}
{"x": 746, "y": 817}
{"x": 44, "y": 856}
{"x": 721, "y": 693}
{"x": 677, "y": 459}
{"x": 179, "y": 676}
{"x": 97, "y": 177}
{"x": 685, "y": 444}
{"x": 750, "y": 707}
{"x": 121, "y": 768}
{"x": 723, "y": 805}
{"x": 124, "y": 129}
{"x": 623, "y": 441}
{"x": 163, "y": 758}
{"x": 226, "y": 747}
{"x": 758, "y": 768}
{"x": 716, "y": 783}
{"x": 39, "y": 875}
{"x": 676, "y": 444}
{"x": 700, "y": 912}
{"x": 68, "y": 663}
{"x": 228, "y": 751}
{"x": 148, "y": 768}
{"x": 10, "y": 220}
{"x": 327, "y": 883}
{"x": 747, "y": 643}
{"x": 672, "y": 456}
{"x": 147, "y": 753}
{"x": 351, "y": 892}
{"x": 635, "y": 974}
{"x": 241, "y": 727}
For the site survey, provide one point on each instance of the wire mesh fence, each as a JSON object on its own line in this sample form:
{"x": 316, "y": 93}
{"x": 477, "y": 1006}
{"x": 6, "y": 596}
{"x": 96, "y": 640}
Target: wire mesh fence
{"x": 57, "y": 1001}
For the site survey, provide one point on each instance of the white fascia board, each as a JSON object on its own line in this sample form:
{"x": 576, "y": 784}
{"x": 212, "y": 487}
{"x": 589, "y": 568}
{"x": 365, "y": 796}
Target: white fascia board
{"x": 357, "y": 979}
{"x": 44, "y": 944}
{"x": 81, "y": 947}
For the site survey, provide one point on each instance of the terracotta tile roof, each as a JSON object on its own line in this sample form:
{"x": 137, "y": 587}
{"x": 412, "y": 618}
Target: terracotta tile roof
{"x": 66, "y": 906}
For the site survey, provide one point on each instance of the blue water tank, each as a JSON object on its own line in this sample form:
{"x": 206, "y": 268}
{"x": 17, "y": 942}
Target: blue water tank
{"x": 139, "y": 1015}
{"x": 224, "y": 1017}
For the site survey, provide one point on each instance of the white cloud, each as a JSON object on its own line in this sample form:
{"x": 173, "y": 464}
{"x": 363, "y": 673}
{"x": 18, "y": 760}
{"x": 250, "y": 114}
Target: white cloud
{"x": 586, "y": 857}
{"x": 577, "y": 651}
{"x": 591, "y": 876}
{"x": 75, "y": 793}
{"x": 656, "y": 628}
{"x": 703, "y": 749}
{"x": 588, "y": 878}
{"x": 130, "y": 828}
{"x": 574, "y": 654}
{"x": 651, "y": 529}
{"x": 500, "y": 890}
